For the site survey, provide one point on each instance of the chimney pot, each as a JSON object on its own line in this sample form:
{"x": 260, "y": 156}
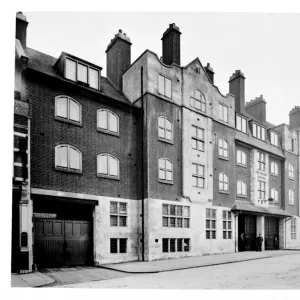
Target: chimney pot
{"x": 237, "y": 88}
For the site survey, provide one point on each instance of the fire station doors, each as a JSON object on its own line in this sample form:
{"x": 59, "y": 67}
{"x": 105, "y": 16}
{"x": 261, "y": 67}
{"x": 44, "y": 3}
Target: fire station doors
{"x": 62, "y": 243}
{"x": 271, "y": 231}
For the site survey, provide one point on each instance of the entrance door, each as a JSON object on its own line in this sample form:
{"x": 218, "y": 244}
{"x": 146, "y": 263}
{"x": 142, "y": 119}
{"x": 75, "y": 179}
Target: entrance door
{"x": 271, "y": 231}
{"x": 250, "y": 233}
{"x": 62, "y": 243}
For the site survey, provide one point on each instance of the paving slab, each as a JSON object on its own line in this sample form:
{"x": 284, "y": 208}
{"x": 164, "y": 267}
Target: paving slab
{"x": 34, "y": 279}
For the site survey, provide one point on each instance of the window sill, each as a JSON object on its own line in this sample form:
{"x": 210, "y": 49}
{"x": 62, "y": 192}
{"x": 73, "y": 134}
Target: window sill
{"x": 165, "y": 181}
{"x": 108, "y": 132}
{"x": 259, "y": 139}
{"x": 224, "y": 158}
{"x": 165, "y": 141}
{"x": 198, "y": 109}
{"x": 65, "y": 170}
{"x": 108, "y": 177}
{"x": 242, "y": 196}
{"x": 292, "y": 178}
{"x": 241, "y": 165}
{"x": 68, "y": 121}
{"x": 224, "y": 192}
{"x": 242, "y": 131}
{"x": 274, "y": 175}
{"x": 293, "y": 204}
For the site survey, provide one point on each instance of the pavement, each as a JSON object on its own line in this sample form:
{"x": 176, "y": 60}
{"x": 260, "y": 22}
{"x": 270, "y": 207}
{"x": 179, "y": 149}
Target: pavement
{"x": 61, "y": 276}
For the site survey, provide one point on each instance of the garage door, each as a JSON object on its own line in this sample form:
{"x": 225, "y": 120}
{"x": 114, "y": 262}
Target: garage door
{"x": 62, "y": 243}
{"x": 271, "y": 231}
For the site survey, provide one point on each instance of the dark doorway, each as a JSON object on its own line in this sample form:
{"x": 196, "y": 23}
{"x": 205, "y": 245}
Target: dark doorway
{"x": 247, "y": 225}
{"x": 271, "y": 231}
{"x": 15, "y": 232}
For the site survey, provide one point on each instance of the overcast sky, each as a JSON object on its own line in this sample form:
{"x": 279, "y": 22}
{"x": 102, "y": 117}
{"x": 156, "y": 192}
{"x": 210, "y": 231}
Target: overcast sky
{"x": 265, "y": 47}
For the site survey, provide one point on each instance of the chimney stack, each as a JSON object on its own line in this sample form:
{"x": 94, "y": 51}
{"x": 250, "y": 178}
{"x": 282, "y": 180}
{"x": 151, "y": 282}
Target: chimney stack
{"x": 210, "y": 72}
{"x": 237, "y": 88}
{"x": 295, "y": 118}
{"x": 257, "y": 108}
{"x": 21, "y": 28}
{"x": 171, "y": 45}
{"x": 118, "y": 58}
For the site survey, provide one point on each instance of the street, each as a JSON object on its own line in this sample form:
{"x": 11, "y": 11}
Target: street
{"x": 270, "y": 273}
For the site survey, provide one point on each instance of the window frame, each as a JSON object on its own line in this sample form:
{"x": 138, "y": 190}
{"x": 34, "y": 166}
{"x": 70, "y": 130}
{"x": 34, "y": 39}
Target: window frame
{"x": 210, "y": 218}
{"x": 242, "y": 154}
{"x": 164, "y": 139}
{"x": 118, "y": 246}
{"x": 259, "y": 132}
{"x": 108, "y": 116}
{"x": 198, "y": 176}
{"x": 119, "y": 214}
{"x": 109, "y": 176}
{"x": 243, "y": 184}
{"x": 274, "y": 168}
{"x": 291, "y": 197}
{"x": 183, "y": 216}
{"x": 291, "y": 145}
{"x": 261, "y": 190}
{"x": 164, "y": 86}
{"x": 227, "y": 229}
{"x": 222, "y": 107}
{"x": 241, "y": 127}
{"x": 223, "y": 182}
{"x": 261, "y": 160}
{"x": 165, "y": 170}
{"x": 67, "y": 119}
{"x": 291, "y": 171}
{"x": 201, "y": 101}
{"x": 274, "y": 138}
{"x": 274, "y": 195}
{"x": 185, "y": 245}
{"x": 68, "y": 168}
{"x": 293, "y": 228}
{"x": 198, "y": 139}
{"x": 222, "y": 149}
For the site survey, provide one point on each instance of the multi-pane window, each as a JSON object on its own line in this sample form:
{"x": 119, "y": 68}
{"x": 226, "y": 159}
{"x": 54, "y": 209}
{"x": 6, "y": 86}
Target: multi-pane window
{"x": 165, "y": 169}
{"x": 118, "y": 214}
{"x": 274, "y": 195}
{"x": 108, "y": 121}
{"x": 291, "y": 144}
{"x": 261, "y": 190}
{"x": 274, "y": 138}
{"x": 198, "y": 175}
{"x": 241, "y": 157}
{"x": 223, "y": 182}
{"x": 259, "y": 132}
{"x": 291, "y": 197}
{"x": 293, "y": 228}
{"x": 210, "y": 223}
{"x": 291, "y": 171}
{"x": 223, "y": 113}
{"x": 198, "y": 101}
{"x": 175, "y": 216}
{"x": 164, "y": 86}
{"x": 223, "y": 148}
{"x": 175, "y": 245}
{"x": 68, "y": 157}
{"x": 77, "y": 71}
{"x": 241, "y": 188}
{"x": 68, "y": 108}
{"x": 108, "y": 165}
{"x": 227, "y": 225}
{"x": 241, "y": 124}
{"x": 274, "y": 168}
{"x": 164, "y": 128}
{"x": 261, "y": 159}
{"x": 118, "y": 245}
{"x": 197, "y": 138}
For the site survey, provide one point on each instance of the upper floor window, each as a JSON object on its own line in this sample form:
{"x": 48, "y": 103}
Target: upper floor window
{"x": 261, "y": 159}
{"x": 223, "y": 113}
{"x": 118, "y": 214}
{"x": 241, "y": 158}
{"x": 223, "y": 148}
{"x": 78, "y": 71}
{"x": 108, "y": 165}
{"x": 241, "y": 188}
{"x": 274, "y": 168}
{"x": 223, "y": 182}
{"x": 291, "y": 171}
{"x": 164, "y": 128}
{"x": 165, "y": 86}
{"x": 291, "y": 197}
{"x": 68, "y": 108}
{"x": 108, "y": 121}
{"x": 198, "y": 176}
{"x": 274, "y": 138}
{"x": 68, "y": 157}
{"x": 165, "y": 169}
{"x": 259, "y": 132}
{"x": 274, "y": 195}
{"x": 261, "y": 190}
{"x": 241, "y": 123}
{"x": 197, "y": 138}
{"x": 291, "y": 144}
{"x": 198, "y": 101}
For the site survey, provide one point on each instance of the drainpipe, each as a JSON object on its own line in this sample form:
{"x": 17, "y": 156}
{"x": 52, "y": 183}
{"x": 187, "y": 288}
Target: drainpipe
{"x": 142, "y": 167}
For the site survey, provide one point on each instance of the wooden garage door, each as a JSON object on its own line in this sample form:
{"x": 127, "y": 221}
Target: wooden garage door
{"x": 62, "y": 243}
{"x": 271, "y": 231}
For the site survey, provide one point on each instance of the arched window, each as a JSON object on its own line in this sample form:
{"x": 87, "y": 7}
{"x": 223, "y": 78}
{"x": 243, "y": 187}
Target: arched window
{"x": 198, "y": 101}
{"x": 165, "y": 169}
{"x": 108, "y": 121}
{"x": 68, "y": 108}
{"x": 223, "y": 182}
{"x": 241, "y": 158}
{"x": 223, "y": 148}
{"x": 107, "y": 165}
{"x": 241, "y": 188}
{"x": 274, "y": 168}
{"x": 68, "y": 157}
{"x": 291, "y": 197}
{"x": 274, "y": 195}
{"x": 164, "y": 128}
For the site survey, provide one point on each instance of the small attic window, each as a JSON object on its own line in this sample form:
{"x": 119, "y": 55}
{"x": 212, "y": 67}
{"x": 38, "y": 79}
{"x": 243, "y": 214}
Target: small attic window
{"x": 197, "y": 69}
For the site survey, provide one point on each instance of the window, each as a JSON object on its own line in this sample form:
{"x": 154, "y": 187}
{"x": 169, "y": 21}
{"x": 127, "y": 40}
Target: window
{"x": 107, "y": 121}
{"x": 291, "y": 197}
{"x": 164, "y": 86}
{"x": 223, "y": 182}
{"x": 164, "y": 129}
{"x": 118, "y": 245}
{"x": 67, "y": 157}
{"x": 175, "y": 245}
{"x": 261, "y": 190}
{"x": 223, "y": 148}
{"x": 274, "y": 168}
{"x": 274, "y": 138}
{"x": 108, "y": 165}
{"x": 210, "y": 223}
{"x": 241, "y": 124}
{"x": 77, "y": 71}
{"x": 67, "y": 108}
{"x": 198, "y": 176}
{"x": 293, "y": 228}
{"x": 261, "y": 159}
{"x": 165, "y": 169}
{"x": 198, "y": 101}
{"x": 118, "y": 214}
{"x": 291, "y": 144}
{"x": 197, "y": 138}
{"x": 241, "y": 188}
{"x": 291, "y": 171}
{"x": 223, "y": 113}
{"x": 259, "y": 132}
{"x": 227, "y": 225}
{"x": 274, "y": 195}
{"x": 241, "y": 158}
{"x": 175, "y": 216}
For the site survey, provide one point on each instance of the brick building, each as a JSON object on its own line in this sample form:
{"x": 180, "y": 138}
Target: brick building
{"x": 150, "y": 162}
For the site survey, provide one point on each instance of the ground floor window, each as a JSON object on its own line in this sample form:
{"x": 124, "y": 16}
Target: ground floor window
{"x": 118, "y": 245}
{"x": 175, "y": 245}
{"x": 227, "y": 225}
{"x": 210, "y": 223}
{"x": 293, "y": 228}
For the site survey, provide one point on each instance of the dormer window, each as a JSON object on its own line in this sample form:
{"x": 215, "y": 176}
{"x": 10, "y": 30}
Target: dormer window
{"x": 241, "y": 124}
{"x": 274, "y": 138}
{"x": 259, "y": 132}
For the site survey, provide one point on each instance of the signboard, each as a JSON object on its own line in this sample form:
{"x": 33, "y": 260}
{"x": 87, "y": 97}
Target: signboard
{"x": 21, "y": 108}
{"x": 262, "y": 175}
{"x": 44, "y": 216}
